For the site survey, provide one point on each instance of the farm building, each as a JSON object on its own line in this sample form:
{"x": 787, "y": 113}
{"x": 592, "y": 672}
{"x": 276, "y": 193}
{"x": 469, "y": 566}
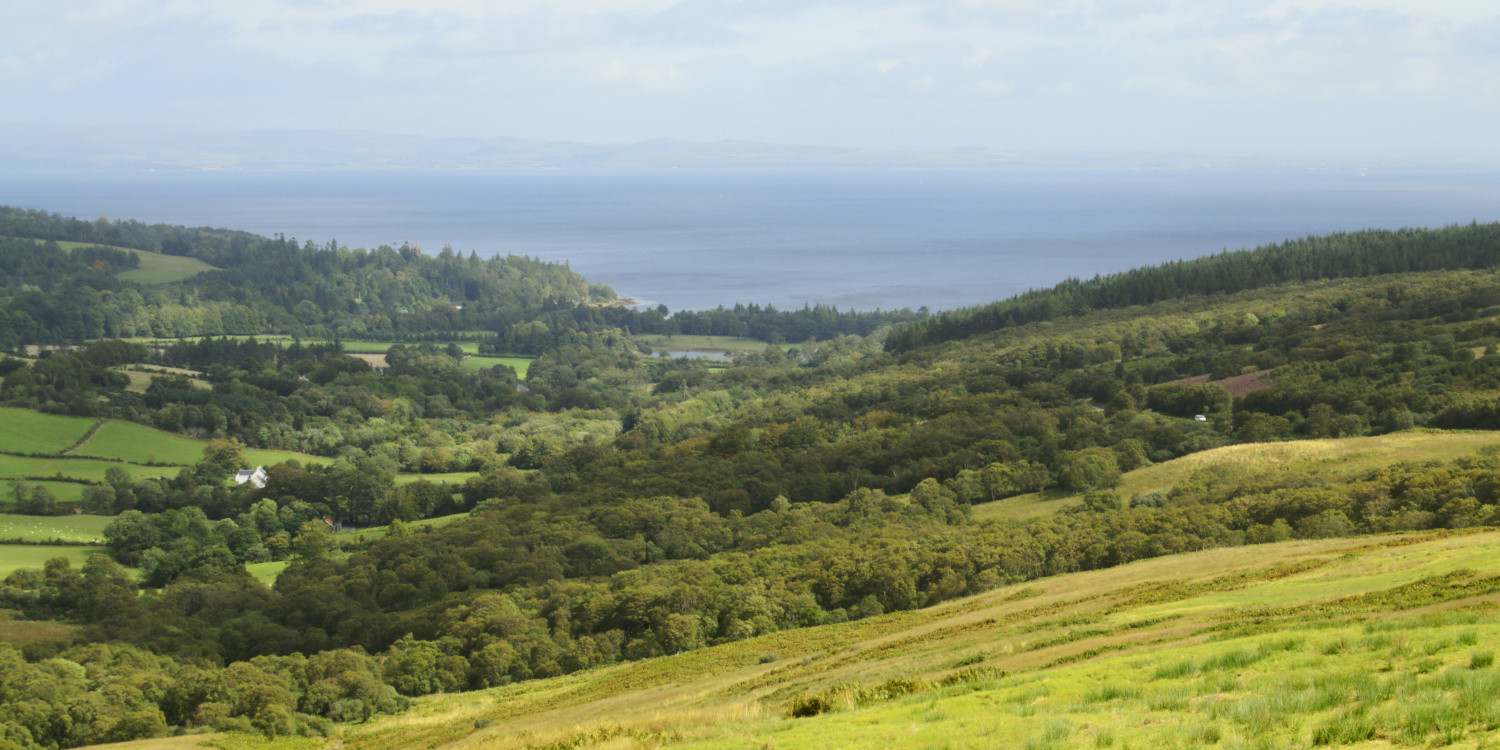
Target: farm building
{"x": 255, "y": 476}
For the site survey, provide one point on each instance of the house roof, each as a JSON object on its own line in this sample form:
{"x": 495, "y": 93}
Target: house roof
{"x": 257, "y": 475}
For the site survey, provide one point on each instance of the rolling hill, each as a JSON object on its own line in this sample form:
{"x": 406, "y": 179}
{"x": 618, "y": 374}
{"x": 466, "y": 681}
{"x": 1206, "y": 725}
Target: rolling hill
{"x": 1387, "y": 639}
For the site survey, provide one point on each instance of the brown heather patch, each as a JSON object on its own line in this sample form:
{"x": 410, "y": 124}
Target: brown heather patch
{"x": 22, "y": 632}
{"x": 1237, "y": 386}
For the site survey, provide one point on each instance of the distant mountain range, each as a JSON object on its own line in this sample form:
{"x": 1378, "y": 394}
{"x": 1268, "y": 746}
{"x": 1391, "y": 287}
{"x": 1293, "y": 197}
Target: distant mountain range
{"x": 42, "y": 146}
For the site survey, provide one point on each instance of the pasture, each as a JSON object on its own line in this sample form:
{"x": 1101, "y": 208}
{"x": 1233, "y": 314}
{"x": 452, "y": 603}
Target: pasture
{"x": 521, "y": 365}
{"x": 137, "y": 443}
{"x": 379, "y": 532}
{"x": 81, "y": 469}
{"x": 266, "y": 572}
{"x": 456, "y": 478}
{"x": 1387, "y": 640}
{"x": 15, "y": 557}
{"x": 155, "y": 268}
{"x": 31, "y": 432}
{"x": 64, "y": 492}
{"x": 116, "y": 440}
{"x": 140, "y": 379}
{"x": 264, "y": 457}
{"x": 79, "y": 529}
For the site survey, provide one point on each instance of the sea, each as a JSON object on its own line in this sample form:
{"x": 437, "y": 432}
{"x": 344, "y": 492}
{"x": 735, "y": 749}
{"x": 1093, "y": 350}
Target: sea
{"x": 860, "y": 239}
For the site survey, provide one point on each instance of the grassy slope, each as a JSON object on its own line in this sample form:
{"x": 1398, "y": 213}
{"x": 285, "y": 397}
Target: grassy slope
{"x": 163, "y": 269}
{"x": 1346, "y": 456}
{"x": 155, "y": 268}
{"x": 1246, "y": 644}
{"x": 25, "y": 431}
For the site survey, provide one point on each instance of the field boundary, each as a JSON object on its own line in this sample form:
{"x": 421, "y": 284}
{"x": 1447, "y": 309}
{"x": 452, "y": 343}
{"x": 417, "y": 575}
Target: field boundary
{"x": 61, "y": 457}
{"x": 87, "y": 436}
{"x": 53, "y": 478}
{"x": 22, "y": 542}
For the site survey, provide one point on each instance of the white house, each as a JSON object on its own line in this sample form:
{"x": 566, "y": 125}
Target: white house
{"x": 256, "y": 476}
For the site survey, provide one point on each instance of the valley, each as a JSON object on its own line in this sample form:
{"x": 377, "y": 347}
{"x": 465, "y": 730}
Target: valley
{"x": 1242, "y": 501}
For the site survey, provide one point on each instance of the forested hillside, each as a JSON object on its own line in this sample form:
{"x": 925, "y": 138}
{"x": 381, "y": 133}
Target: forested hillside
{"x": 1337, "y": 256}
{"x": 67, "y": 293}
{"x": 476, "y": 528}
{"x": 262, "y": 286}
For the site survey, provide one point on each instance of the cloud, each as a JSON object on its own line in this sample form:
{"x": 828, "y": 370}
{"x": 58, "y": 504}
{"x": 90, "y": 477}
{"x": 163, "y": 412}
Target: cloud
{"x": 1287, "y": 77}
{"x": 649, "y": 79}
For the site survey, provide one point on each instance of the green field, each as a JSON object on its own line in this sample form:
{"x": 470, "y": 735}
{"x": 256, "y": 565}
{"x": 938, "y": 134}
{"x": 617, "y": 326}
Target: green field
{"x": 87, "y": 470}
{"x": 78, "y": 529}
{"x": 456, "y": 478}
{"x": 133, "y": 442}
{"x": 140, "y": 380}
{"x": 138, "y": 443}
{"x": 359, "y": 347}
{"x": 1341, "y": 456}
{"x": 25, "y": 431}
{"x": 264, "y": 457}
{"x": 163, "y": 269}
{"x": 1373, "y": 641}
{"x": 67, "y": 492}
{"x": 378, "y": 532}
{"x": 14, "y": 557}
{"x": 266, "y": 572}
{"x": 33, "y": 432}
{"x": 521, "y": 365}
{"x": 155, "y": 268}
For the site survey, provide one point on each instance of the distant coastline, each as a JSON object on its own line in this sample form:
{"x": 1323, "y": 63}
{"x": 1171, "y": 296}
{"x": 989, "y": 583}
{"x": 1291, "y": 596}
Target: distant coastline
{"x": 619, "y": 302}
{"x": 31, "y": 146}
{"x": 851, "y": 239}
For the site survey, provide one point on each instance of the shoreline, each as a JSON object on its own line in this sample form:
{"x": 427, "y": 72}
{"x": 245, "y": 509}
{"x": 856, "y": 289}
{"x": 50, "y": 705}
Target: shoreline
{"x": 618, "y": 302}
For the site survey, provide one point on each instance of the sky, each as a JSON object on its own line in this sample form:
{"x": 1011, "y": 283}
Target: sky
{"x": 1393, "y": 80}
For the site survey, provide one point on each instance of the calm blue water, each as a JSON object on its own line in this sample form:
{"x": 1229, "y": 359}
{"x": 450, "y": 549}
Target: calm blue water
{"x": 866, "y": 239}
